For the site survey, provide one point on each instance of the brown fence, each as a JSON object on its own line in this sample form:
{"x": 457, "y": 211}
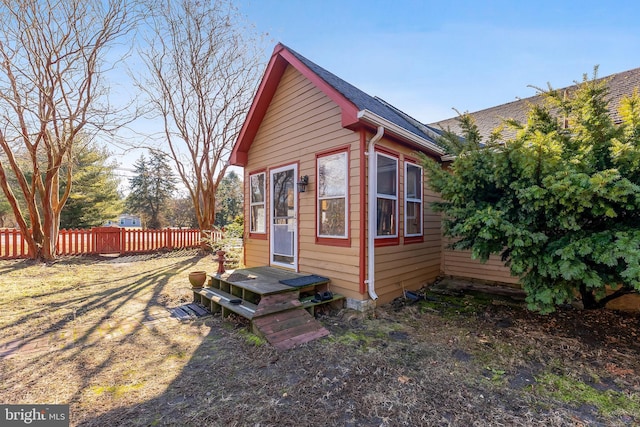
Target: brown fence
{"x": 106, "y": 240}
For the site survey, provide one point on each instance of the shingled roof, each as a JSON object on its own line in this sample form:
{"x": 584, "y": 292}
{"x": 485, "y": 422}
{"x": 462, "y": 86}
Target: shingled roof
{"x": 487, "y": 120}
{"x": 364, "y": 101}
{"x": 358, "y": 109}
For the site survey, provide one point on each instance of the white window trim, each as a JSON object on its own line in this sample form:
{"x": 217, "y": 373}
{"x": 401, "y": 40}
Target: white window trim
{"x": 408, "y": 200}
{"x": 388, "y": 197}
{"x": 263, "y": 203}
{"x": 345, "y": 197}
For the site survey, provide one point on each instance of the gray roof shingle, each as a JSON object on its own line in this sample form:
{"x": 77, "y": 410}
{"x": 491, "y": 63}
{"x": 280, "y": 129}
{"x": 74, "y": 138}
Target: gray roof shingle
{"x": 487, "y": 120}
{"x": 363, "y": 101}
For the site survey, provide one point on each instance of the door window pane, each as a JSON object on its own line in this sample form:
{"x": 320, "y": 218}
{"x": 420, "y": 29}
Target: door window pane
{"x": 283, "y": 201}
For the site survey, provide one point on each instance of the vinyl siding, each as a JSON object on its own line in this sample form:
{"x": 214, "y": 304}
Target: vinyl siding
{"x": 300, "y": 122}
{"x": 413, "y": 265}
{"x": 461, "y": 264}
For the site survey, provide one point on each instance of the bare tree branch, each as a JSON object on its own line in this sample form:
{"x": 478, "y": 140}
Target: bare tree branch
{"x": 50, "y": 87}
{"x": 203, "y": 68}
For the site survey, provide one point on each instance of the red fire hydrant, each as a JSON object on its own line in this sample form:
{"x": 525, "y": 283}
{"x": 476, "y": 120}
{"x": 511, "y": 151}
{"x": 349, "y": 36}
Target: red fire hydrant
{"x": 221, "y": 261}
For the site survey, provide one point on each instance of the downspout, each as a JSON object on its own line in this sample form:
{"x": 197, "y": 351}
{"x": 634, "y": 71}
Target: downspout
{"x": 371, "y": 209}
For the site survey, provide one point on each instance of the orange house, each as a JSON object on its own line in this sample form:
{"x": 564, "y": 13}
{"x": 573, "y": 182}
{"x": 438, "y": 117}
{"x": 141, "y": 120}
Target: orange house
{"x": 333, "y": 185}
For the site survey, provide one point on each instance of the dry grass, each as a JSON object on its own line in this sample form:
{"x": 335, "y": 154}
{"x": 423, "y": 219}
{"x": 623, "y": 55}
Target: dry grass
{"x": 452, "y": 361}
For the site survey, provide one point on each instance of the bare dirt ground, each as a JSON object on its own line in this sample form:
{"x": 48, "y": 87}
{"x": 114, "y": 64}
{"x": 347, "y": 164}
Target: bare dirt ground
{"x": 95, "y": 333}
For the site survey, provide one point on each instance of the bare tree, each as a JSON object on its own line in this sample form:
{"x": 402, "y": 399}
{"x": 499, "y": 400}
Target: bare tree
{"x": 203, "y": 70}
{"x": 51, "y": 64}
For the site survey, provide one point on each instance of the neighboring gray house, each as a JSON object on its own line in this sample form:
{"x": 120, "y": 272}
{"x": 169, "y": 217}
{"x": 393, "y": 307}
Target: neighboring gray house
{"x": 125, "y": 220}
{"x": 620, "y": 85}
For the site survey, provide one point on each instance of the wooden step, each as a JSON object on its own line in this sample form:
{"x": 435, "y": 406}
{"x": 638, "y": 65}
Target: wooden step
{"x": 277, "y": 302}
{"x": 287, "y": 329}
{"x": 212, "y": 298}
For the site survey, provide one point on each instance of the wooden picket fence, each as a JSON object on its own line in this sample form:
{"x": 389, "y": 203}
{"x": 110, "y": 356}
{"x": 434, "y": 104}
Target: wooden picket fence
{"x": 107, "y": 240}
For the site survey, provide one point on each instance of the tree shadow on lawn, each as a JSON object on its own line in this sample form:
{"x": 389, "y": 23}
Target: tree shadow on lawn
{"x": 385, "y": 371}
{"x": 110, "y": 299}
{"x": 405, "y": 368}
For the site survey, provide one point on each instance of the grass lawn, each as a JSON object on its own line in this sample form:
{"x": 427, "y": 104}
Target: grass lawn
{"x": 96, "y": 334}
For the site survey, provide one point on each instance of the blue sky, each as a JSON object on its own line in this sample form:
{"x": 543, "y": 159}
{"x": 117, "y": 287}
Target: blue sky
{"x": 428, "y": 57}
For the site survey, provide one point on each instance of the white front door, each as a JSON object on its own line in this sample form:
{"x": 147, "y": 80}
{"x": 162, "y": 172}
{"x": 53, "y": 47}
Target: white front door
{"x": 284, "y": 210}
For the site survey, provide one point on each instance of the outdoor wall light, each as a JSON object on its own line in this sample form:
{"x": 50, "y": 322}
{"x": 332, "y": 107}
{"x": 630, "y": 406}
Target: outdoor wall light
{"x": 302, "y": 184}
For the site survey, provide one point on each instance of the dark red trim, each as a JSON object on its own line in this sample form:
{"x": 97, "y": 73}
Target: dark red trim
{"x": 334, "y": 150}
{"x": 387, "y": 241}
{"x": 363, "y": 209}
{"x": 335, "y": 241}
{"x": 278, "y": 63}
{"x": 413, "y": 239}
{"x": 349, "y": 110}
{"x": 264, "y": 95}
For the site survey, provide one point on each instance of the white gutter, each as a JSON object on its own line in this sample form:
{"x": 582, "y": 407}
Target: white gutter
{"x": 376, "y": 120}
{"x": 371, "y": 209}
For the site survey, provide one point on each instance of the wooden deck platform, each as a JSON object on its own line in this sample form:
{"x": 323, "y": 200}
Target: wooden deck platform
{"x": 281, "y": 313}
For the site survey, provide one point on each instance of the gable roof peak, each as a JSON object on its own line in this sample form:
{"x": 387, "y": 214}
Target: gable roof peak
{"x": 349, "y": 98}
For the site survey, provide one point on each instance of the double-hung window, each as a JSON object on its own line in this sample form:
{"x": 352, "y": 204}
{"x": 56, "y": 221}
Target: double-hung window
{"x": 258, "y": 220}
{"x": 386, "y": 196}
{"x": 412, "y": 200}
{"x": 332, "y": 195}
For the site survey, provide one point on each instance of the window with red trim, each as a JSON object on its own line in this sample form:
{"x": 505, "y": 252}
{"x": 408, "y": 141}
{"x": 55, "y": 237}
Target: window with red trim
{"x": 412, "y": 200}
{"x": 332, "y": 195}
{"x": 386, "y": 196}
{"x": 258, "y": 217}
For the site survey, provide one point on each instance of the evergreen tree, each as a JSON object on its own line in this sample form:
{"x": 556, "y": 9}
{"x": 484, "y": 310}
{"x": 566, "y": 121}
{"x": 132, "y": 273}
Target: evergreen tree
{"x": 560, "y": 204}
{"x": 94, "y": 196}
{"x": 229, "y": 199}
{"x": 151, "y": 190}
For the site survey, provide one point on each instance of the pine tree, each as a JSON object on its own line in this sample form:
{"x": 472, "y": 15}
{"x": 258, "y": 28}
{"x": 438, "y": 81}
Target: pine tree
{"x": 229, "y": 199}
{"x": 151, "y": 190}
{"x": 94, "y": 196}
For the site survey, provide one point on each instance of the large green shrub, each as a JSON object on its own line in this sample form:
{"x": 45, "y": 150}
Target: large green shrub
{"x": 559, "y": 201}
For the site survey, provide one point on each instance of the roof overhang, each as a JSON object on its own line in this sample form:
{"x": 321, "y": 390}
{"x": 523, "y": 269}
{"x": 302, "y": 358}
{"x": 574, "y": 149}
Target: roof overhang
{"x": 280, "y": 59}
{"x": 372, "y": 119}
{"x": 351, "y": 116}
